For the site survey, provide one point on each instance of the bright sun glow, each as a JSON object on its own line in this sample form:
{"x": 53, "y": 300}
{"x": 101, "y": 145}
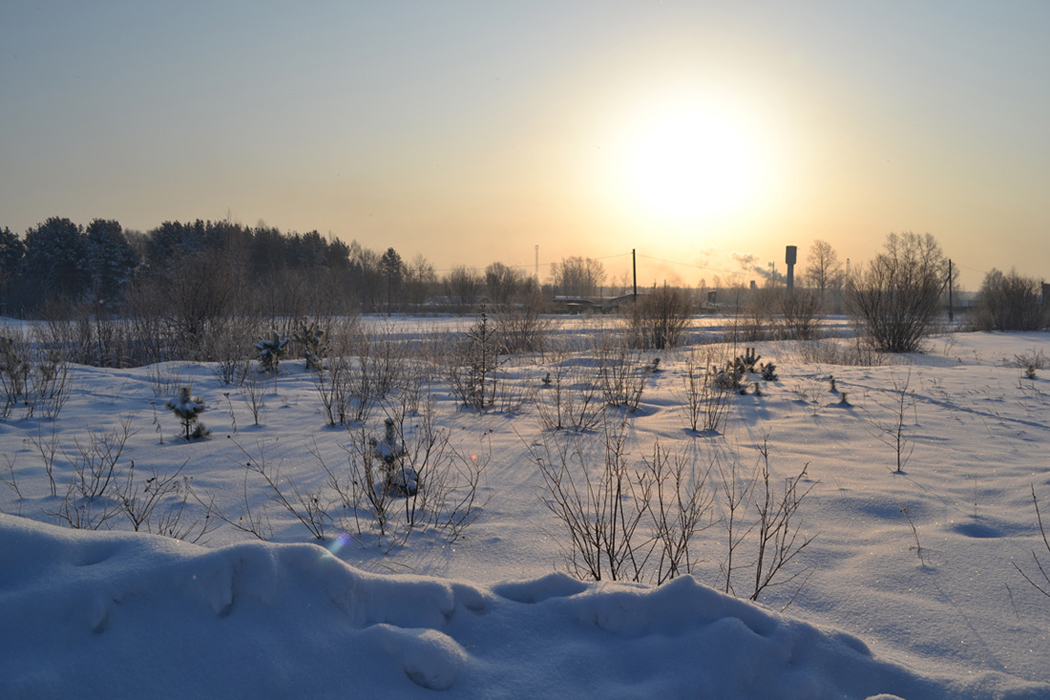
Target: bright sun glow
{"x": 691, "y": 165}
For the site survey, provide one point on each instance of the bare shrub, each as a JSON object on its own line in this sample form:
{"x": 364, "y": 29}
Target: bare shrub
{"x": 622, "y": 373}
{"x": 227, "y": 345}
{"x": 50, "y": 384}
{"x": 771, "y": 538}
{"x": 1044, "y": 586}
{"x": 754, "y": 320}
{"x": 893, "y": 432}
{"x": 569, "y": 398}
{"x": 48, "y": 449}
{"x": 896, "y": 299}
{"x": 706, "y": 399}
{"x": 915, "y": 535}
{"x": 640, "y": 524}
{"x": 362, "y": 370}
{"x": 33, "y": 379}
{"x": 86, "y": 335}
{"x": 94, "y": 460}
{"x": 624, "y": 524}
{"x": 145, "y": 312}
{"x": 1034, "y": 359}
{"x": 1010, "y": 302}
{"x": 164, "y": 378}
{"x": 656, "y": 320}
{"x": 679, "y": 505}
{"x": 778, "y": 540}
{"x": 14, "y": 375}
{"x": 855, "y": 352}
{"x": 158, "y": 504}
{"x": 11, "y": 481}
{"x": 252, "y": 389}
{"x": 601, "y": 512}
{"x": 256, "y": 523}
{"x": 309, "y": 508}
{"x": 94, "y": 469}
{"x": 799, "y": 315}
{"x": 386, "y": 361}
{"x": 330, "y": 380}
{"x": 522, "y": 327}
{"x": 197, "y": 294}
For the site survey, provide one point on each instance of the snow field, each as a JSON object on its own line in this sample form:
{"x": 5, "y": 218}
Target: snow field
{"x": 484, "y": 616}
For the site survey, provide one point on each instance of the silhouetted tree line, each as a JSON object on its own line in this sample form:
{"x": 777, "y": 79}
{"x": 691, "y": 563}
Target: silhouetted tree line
{"x": 59, "y": 265}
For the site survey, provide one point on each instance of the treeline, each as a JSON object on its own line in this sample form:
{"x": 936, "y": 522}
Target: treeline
{"x": 217, "y": 267}
{"x": 60, "y": 265}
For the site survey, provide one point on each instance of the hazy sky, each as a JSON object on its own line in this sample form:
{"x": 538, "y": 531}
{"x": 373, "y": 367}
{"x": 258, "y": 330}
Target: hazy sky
{"x": 472, "y": 132}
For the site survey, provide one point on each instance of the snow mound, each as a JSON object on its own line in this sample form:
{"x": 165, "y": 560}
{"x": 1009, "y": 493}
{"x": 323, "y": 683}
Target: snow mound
{"x": 118, "y": 615}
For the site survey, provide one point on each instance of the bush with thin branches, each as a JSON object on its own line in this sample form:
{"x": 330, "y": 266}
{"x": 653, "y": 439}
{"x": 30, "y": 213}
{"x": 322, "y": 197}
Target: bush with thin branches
{"x": 896, "y": 300}
{"x": 1010, "y": 302}
{"x": 656, "y": 319}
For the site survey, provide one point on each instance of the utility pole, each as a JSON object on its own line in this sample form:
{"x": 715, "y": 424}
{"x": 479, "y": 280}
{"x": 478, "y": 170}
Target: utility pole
{"x": 537, "y": 264}
{"x": 634, "y": 272}
{"x": 951, "y": 305}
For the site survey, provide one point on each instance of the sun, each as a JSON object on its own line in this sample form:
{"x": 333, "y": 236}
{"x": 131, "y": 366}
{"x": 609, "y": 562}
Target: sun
{"x": 691, "y": 165}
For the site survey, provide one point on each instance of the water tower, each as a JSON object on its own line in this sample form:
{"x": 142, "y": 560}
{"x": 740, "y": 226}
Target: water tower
{"x": 792, "y": 256}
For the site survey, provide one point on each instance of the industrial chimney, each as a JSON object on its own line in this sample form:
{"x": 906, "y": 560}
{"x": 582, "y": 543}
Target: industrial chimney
{"x": 792, "y": 255}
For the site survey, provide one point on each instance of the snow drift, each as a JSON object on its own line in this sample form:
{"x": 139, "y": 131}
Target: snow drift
{"x": 119, "y": 615}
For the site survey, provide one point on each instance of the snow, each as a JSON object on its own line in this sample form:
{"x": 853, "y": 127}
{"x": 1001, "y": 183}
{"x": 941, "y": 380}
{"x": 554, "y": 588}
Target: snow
{"x": 119, "y": 614}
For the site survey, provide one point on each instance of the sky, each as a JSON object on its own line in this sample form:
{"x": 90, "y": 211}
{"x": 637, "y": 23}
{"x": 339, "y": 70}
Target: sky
{"x": 473, "y": 132}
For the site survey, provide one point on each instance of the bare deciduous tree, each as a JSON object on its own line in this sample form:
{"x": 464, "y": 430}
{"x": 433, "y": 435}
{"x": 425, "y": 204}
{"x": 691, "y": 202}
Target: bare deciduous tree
{"x": 578, "y": 277}
{"x": 896, "y": 299}
{"x": 824, "y": 271}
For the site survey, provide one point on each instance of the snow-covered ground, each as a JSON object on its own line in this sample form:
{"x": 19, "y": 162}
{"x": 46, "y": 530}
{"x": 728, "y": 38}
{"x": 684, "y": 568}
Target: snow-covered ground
{"x": 922, "y": 603}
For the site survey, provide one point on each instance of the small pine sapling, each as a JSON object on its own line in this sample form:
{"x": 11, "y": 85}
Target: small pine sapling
{"x": 271, "y": 351}
{"x": 315, "y": 346}
{"x": 749, "y": 360}
{"x": 730, "y": 378}
{"x": 769, "y": 371}
{"x": 401, "y": 479}
{"x": 188, "y": 410}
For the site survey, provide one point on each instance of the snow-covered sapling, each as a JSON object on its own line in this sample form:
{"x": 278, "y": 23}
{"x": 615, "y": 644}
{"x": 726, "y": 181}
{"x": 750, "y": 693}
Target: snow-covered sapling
{"x": 271, "y": 351}
{"x": 769, "y": 371}
{"x": 315, "y": 346}
{"x": 729, "y": 379}
{"x": 187, "y": 408}
{"x": 401, "y": 479}
{"x": 749, "y": 359}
